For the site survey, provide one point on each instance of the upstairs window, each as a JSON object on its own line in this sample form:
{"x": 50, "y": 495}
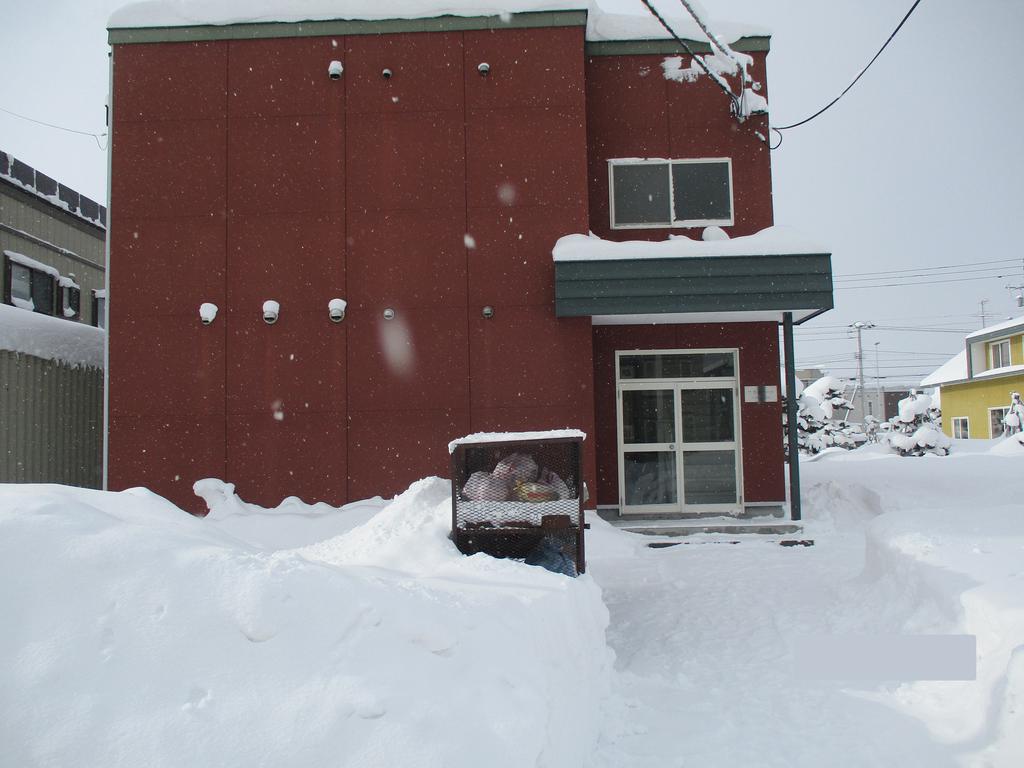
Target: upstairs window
{"x": 999, "y": 352}
{"x": 99, "y": 308}
{"x": 71, "y": 298}
{"x": 670, "y": 193}
{"x": 28, "y": 284}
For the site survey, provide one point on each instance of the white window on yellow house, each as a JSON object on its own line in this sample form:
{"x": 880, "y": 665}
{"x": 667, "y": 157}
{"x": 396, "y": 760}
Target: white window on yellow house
{"x": 961, "y": 428}
{"x": 995, "y": 421}
{"x": 999, "y": 354}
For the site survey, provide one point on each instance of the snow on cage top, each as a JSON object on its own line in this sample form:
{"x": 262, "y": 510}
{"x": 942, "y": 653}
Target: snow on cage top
{"x": 611, "y": 24}
{"x": 773, "y": 241}
{"x": 510, "y": 437}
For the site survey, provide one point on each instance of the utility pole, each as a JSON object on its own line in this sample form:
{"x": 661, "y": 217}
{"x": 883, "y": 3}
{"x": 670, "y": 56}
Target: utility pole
{"x": 983, "y": 302}
{"x": 878, "y": 387}
{"x": 1019, "y": 290}
{"x": 859, "y": 327}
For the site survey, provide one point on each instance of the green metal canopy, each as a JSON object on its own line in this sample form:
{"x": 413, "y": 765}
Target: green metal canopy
{"x": 760, "y": 287}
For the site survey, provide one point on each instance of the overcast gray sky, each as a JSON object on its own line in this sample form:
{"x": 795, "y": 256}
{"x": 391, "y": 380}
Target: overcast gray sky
{"x": 917, "y": 167}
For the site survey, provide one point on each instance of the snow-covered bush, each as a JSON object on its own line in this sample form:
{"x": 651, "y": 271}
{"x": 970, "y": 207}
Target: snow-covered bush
{"x": 1013, "y": 421}
{"x": 917, "y": 428}
{"x": 818, "y": 427}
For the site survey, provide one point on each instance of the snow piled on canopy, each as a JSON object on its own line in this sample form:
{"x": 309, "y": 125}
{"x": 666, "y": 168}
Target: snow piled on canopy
{"x": 954, "y": 369}
{"x": 136, "y": 634}
{"x": 772, "y": 241}
{"x": 51, "y": 338}
{"x": 611, "y": 24}
{"x": 999, "y": 371}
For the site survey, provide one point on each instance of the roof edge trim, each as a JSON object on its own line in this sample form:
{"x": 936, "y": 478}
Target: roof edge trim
{"x": 670, "y": 47}
{"x": 258, "y": 30}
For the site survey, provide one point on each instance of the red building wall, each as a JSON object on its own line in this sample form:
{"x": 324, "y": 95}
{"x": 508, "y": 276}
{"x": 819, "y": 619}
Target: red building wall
{"x": 634, "y": 111}
{"x": 761, "y": 423}
{"x": 241, "y": 173}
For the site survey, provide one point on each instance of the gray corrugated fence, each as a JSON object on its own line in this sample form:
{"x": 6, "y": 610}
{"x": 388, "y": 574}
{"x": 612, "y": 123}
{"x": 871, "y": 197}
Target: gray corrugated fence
{"x": 51, "y": 422}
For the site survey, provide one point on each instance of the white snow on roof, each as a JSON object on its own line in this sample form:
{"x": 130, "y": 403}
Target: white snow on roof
{"x": 601, "y": 24}
{"x": 954, "y": 369}
{"x": 26, "y": 261}
{"x": 999, "y": 371}
{"x": 53, "y": 199}
{"x": 773, "y": 241}
{"x": 1014, "y": 324}
{"x": 51, "y": 338}
{"x": 505, "y": 437}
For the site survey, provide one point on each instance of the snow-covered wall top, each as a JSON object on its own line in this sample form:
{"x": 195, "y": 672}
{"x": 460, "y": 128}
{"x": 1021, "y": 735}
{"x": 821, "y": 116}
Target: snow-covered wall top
{"x": 601, "y": 24}
{"x": 773, "y": 241}
{"x": 52, "y": 338}
{"x": 26, "y": 177}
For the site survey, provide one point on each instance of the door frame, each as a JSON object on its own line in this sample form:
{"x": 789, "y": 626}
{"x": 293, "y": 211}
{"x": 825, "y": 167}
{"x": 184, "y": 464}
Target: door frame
{"x": 679, "y": 384}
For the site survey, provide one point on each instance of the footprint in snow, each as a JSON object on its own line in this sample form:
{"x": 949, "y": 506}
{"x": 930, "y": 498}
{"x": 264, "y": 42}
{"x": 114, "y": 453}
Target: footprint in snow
{"x": 198, "y": 698}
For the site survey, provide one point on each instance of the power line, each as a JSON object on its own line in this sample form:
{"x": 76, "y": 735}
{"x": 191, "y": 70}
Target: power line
{"x": 922, "y": 330}
{"x": 919, "y": 273}
{"x": 926, "y": 282}
{"x": 809, "y": 327}
{"x": 95, "y": 136}
{"x": 930, "y": 267}
{"x": 858, "y": 77}
{"x": 721, "y": 83}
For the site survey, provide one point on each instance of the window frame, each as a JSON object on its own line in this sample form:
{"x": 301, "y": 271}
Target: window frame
{"x": 673, "y": 223}
{"x": 992, "y": 347}
{"x": 99, "y": 309}
{"x": 70, "y": 298}
{"x": 991, "y": 424}
{"x": 964, "y": 423}
{"x": 36, "y": 276}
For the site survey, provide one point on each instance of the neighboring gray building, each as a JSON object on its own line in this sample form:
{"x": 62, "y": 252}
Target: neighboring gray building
{"x": 52, "y": 279}
{"x": 52, "y": 245}
{"x": 882, "y": 408}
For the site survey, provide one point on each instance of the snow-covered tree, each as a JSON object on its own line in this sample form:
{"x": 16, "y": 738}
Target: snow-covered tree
{"x": 917, "y": 428}
{"x": 1013, "y": 421}
{"x": 819, "y": 425}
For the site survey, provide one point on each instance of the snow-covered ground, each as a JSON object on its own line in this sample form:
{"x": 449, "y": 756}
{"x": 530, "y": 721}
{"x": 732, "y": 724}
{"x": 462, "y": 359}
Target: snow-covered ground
{"x": 135, "y": 634}
{"x": 706, "y": 633}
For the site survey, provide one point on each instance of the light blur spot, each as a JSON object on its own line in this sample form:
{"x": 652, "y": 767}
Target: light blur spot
{"x": 507, "y": 193}
{"x": 396, "y": 344}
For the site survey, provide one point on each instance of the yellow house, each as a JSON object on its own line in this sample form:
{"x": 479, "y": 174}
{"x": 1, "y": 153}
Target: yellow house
{"x": 975, "y": 386}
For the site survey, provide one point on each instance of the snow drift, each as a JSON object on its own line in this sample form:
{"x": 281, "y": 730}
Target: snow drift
{"x": 136, "y": 634}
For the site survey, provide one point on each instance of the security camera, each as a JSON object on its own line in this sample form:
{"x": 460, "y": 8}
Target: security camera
{"x": 336, "y": 310}
{"x": 483, "y": 68}
{"x": 335, "y": 69}
{"x": 386, "y": 74}
{"x": 271, "y": 309}
{"x": 207, "y": 312}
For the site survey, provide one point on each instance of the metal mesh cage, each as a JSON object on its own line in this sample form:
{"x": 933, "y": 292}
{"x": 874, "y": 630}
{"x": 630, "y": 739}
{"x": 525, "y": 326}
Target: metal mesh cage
{"x": 507, "y": 496}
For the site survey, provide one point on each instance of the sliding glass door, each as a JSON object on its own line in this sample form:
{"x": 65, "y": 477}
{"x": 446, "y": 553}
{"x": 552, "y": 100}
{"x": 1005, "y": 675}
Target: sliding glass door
{"x": 678, "y": 437}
